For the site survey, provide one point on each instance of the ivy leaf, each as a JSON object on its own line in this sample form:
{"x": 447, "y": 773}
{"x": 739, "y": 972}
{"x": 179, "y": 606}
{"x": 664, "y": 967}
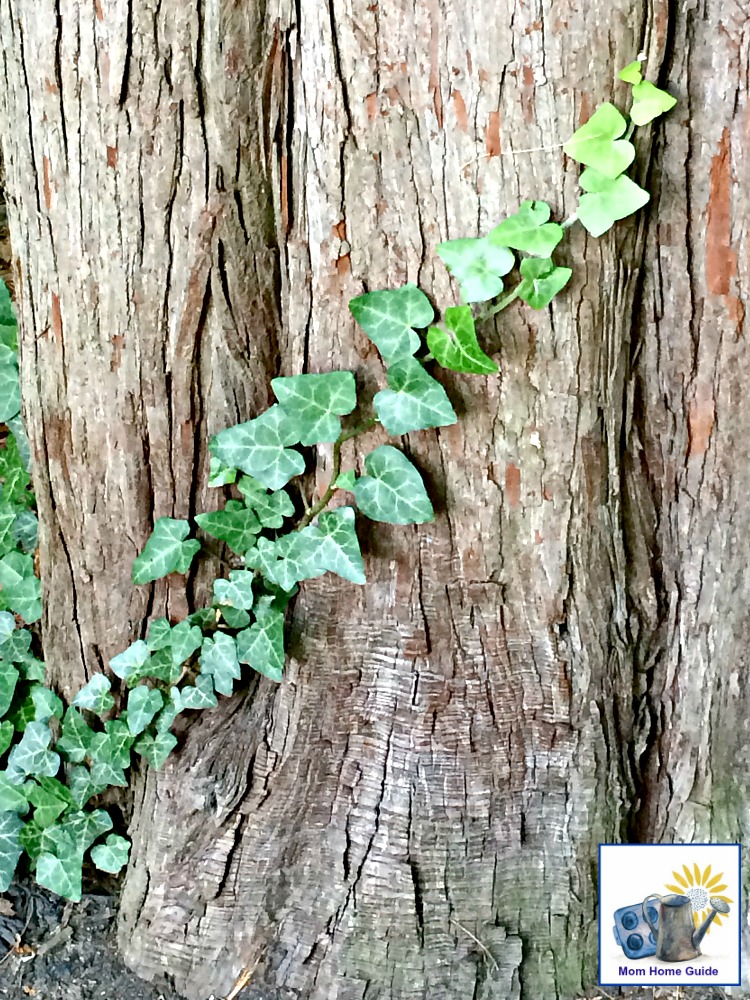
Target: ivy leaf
{"x": 237, "y": 528}
{"x": 32, "y": 754}
{"x": 316, "y": 402}
{"x": 542, "y": 280}
{"x": 10, "y": 392}
{"x": 46, "y": 703}
{"x": 631, "y": 73}
{"x": 414, "y": 402}
{"x": 649, "y": 102}
{"x": 393, "y": 490}
{"x": 169, "y": 713}
{"x": 607, "y": 201}
{"x": 7, "y": 729}
{"x": 143, "y": 704}
{"x": 69, "y": 839}
{"x": 262, "y": 645}
{"x": 13, "y": 475}
{"x": 104, "y": 773}
{"x": 132, "y": 658}
{"x": 95, "y": 695}
{"x": 10, "y": 849}
{"x": 159, "y": 634}
{"x": 59, "y": 877}
{"x": 82, "y": 785}
{"x": 156, "y": 749}
{"x": 219, "y": 660}
{"x": 112, "y": 855}
{"x": 50, "y": 798}
{"x": 237, "y": 591}
{"x": 458, "y": 349}
{"x": 346, "y": 480}
{"x": 597, "y": 144}
{"x": 528, "y": 229}
{"x": 390, "y": 318}
{"x": 234, "y": 617}
{"x": 12, "y": 797}
{"x": 113, "y": 745}
{"x": 8, "y": 681}
{"x": 186, "y": 638}
{"x": 478, "y": 265}
{"x": 7, "y": 520}
{"x": 166, "y": 551}
{"x": 339, "y": 551}
{"x": 26, "y": 530}
{"x": 270, "y": 508}
{"x": 201, "y": 695}
{"x": 75, "y": 742}
{"x": 7, "y": 628}
{"x": 7, "y": 313}
{"x": 220, "y": 474}
{"x": 260, "y": 448}
{"x": 20, "y": 590}
{"x": 290, "y": 559}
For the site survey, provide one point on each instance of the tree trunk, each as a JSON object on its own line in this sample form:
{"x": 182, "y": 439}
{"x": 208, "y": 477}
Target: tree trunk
{"x": 195, "y": 192}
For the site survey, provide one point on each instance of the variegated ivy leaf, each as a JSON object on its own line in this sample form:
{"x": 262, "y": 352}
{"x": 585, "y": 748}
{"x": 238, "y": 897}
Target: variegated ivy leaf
{"x": 200, "y": 695}
{"x": 10, "y": 393}
{"x": 528, "y": 229}
{"x": 104, "y": 773}
{"x": 262, "y": 645}
{"x": 185, "y": 640}
{"x": 393, "y": 490}
{"x": 143, "y": 705}
{"x": 10, "y": 849}
{"x": 112, "y": 747}
{"x": 290, "y": 559}
{"x": 234, "y": 617}
{"x": 50, "y": 798}
{"x": 219, "y": 660}
{"x": 7, "y": 729}
{"x": 7, "y": 628}
{"x": 237, "y": 591}
{"x": 168, "y": 550}
{"x": 112, "y": 855}
{"x": 47, "y": 704}
{"x": 261, "y": 448}
{"x": 132, "y": 658}
{"x": 339, "y": 546}
{"x": 75, "y": 742}
{"x": 414, "y": 401}
{"x": 20, "y": 590}
{"x": 316, "y": 402}
{"x": 156, "y": 749}
{"x": 82, "y": 785}
{"x": 270, "y": 508}
{"x": 95, "y": 695}
{"x": 478, "y": 265}
{"x": 62, "y": 878}
{"x": 8, "y": 680}
{"x": 390, "y": 318}
{"x": 457, "y": 348}
{"x": 32, "y": 755}
{"x": 75, "y": 833}
{"x": 235, "y": 525}
{"x": 12, "y": 797}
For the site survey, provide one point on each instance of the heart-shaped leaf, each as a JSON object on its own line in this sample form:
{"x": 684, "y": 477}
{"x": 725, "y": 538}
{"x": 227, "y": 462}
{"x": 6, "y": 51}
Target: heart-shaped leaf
{"x": 237, "y": 528}
{"x": 339, "y": 546}
{"x": 649, "y": 102}
{"x": 220, "y": 474}
{"x": 456, "y": 348}
{"x": 607, "y": 201}
{"x": 64, "y": 879}
{"x": 393, "y": 490}
{"x": 112, "y": 855}
{"x": 143, "y": 705}
{"x": 132, "y": 658}
{"x": 597, "y": 144}
{"x": 261, "y": 448}
{"x": 528, "y": 229}
{"x": 219, "y": 660}
{"x": 32, "y": 755}
{"x": 156, "y": 749}
{"x": 391, "y": 317}
{"x": 541, "y": 281}
{"x": 631, "y": 73}
{"x": 166, "y": 551}
{"x": 95, "y": 695}
{"x": 414, "y": 400}
{"x": 237, "y": 591}
{"x": 8, "y": 680}
{"x": 10, "y": 848}
{"x": 20, "y": 590}
{"x": 200, "y": 695}
{"x": 316, "y": 402}
{"x": 478, "y": 264}
{"x": 262, "y": 645}
{"x": 10, "y": 393}
{"x": 270, "y": 508}
{"x": 75, "y": 742}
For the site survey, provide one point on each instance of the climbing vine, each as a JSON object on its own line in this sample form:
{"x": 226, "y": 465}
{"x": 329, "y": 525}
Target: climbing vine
{"x": 58, "y": 760}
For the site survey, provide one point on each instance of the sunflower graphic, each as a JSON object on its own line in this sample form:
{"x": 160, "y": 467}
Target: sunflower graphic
{"x": 700, "y": 887}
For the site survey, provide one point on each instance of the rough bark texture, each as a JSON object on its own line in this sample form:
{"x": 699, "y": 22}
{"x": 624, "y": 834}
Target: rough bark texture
{"x": 196, "y": 190}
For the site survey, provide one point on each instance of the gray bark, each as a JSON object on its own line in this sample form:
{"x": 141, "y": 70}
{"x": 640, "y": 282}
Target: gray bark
{"x": 196, "y": 190}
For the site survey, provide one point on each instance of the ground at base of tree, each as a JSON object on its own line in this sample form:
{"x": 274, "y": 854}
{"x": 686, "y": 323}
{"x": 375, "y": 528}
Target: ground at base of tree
{"x": 66, "y": 951}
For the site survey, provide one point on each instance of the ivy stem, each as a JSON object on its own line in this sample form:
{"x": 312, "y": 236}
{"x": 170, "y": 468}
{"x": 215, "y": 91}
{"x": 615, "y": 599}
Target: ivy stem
{"x": 502, "y": 304}
{"x": 344, "y": 436}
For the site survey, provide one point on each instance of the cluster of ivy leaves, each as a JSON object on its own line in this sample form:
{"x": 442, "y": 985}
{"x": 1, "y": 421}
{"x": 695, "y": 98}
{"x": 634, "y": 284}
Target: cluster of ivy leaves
{"x": 60, "y": 759}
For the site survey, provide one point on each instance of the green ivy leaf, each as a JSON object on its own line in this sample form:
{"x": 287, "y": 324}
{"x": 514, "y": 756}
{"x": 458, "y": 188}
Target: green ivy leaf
{"x": 50, "y": 798}
{"x": 20, "y": 590}
{"x": 26, "y": 530}
{"x": 220, "y": 474}
{"x": 166, "y": 551}
{"x": 237, "y": 591}
{"x": 75, "y": 742}
{"x": 82, "y": 785}
{"x": 12, "y": 797}
{"x": 8, "y": 681}
{"x": 30, "y": 839}
{"x": 316, "y": 402}
{"x": 391, "y": 317}
{"x": 185, "y": 639}
{"x": 7, "y": 729}
{"x": 104, "y": 773}
{"x": 143, "y": 705}
{"x": 528, "y": 229}
{"x": 10, "y": 848}
{"x": 290, "y": 559}
{"x": 649, "y": 102}
{"x": 607, "y": 201}
{"x": 631, "y": 73}
{"x": 169, "y": 713}
{"x": 133, "y": 658}
{"x": 32, "y": 754}
{"x": 393, "y": 490}
{"x": 7, "y": 628}
{"x": 156, "y": 749}
{"x": 10, "y": 393}
{"x": 13, "y": 475}
{"x": 113, "y": 745}
{"x": 261, "y": 448}
{"x": 262, "y": 645}
{"x": 69, "y": 839}
{"x": 414, "y": 402}
{"x": 270, "y": 508}
{"x": 95, "y": 695}
{"x": 60, "y": 877}
{"x": 201, "y": 695}
{"x": 7, "y": 313}
{"x": 346, "y": 480}
{"x": 7, "y": 520}
{"x": 219, "y": 660}
{"x": 46, "y": 703}
{"x": 112, "y": 855}
{"x": 541, "y": 281}
{"x": 339, "y": 549}
{"x": 234, "y": 617}
{"x": 478, "y": 265}
{"x": 597, "y": 144}
{"x": 458, "y": 349}
{"x": 237, "y": 528}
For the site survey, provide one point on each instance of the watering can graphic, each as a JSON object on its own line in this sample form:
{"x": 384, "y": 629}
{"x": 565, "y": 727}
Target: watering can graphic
{"x": 677, "y": 937}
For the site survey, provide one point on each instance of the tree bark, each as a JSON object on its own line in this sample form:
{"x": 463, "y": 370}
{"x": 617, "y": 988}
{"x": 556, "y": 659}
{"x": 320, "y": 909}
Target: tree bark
{"x": 195, "y": 192}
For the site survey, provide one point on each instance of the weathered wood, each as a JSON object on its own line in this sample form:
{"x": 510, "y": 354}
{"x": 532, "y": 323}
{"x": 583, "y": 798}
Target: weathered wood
{"x": 196, "y": 191}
